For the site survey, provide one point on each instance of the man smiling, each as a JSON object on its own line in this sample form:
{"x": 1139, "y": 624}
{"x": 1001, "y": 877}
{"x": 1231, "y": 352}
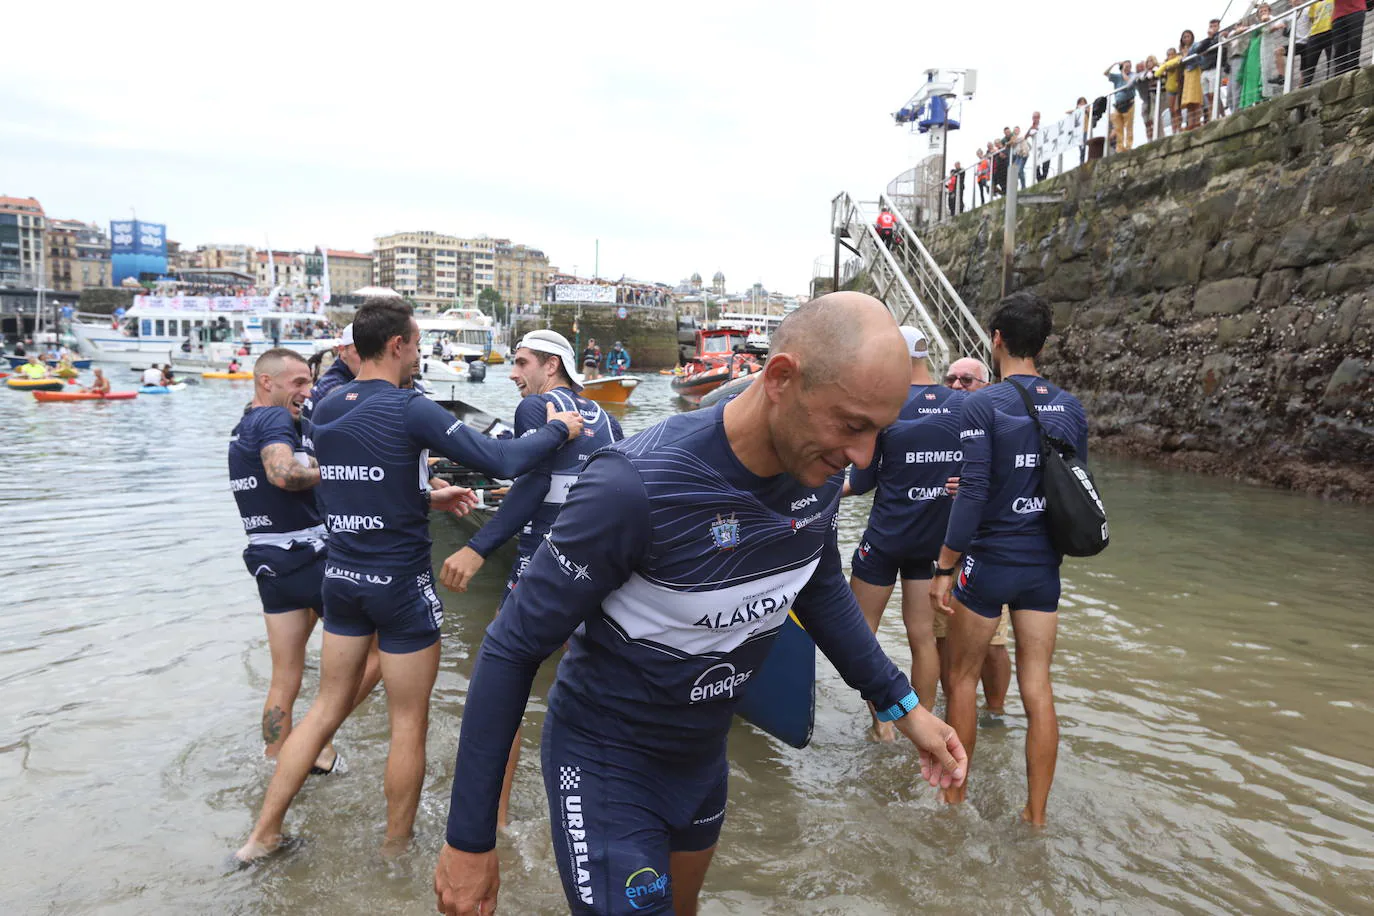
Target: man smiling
{"x": 729, "y": 508}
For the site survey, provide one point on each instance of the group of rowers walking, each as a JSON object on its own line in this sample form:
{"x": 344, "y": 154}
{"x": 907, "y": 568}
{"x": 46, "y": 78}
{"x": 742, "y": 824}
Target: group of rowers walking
{"x": 665, "y": 562}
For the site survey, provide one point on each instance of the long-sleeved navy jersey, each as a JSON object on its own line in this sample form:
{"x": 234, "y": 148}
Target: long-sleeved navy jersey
{"x": 264, "y": 508}
{"x": 914, "y": 458}
{"x": 999, "y": 513}
{"x": 670, "y": 568}
{"x": 534, "y": 500}
{"x": 372, "y": 441}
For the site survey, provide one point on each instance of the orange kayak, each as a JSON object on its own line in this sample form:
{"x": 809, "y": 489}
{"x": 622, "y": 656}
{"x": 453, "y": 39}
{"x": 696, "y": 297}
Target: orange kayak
{"x": 50, "y": 396}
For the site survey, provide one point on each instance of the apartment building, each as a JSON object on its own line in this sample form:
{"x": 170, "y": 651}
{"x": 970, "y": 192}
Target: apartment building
{"x": 348, "y": 271}
{"x": 78, "y": 256}
{"x": 522, "y": 273}
{"x": 434, "y": 270}
{"x": 22, "y": 226}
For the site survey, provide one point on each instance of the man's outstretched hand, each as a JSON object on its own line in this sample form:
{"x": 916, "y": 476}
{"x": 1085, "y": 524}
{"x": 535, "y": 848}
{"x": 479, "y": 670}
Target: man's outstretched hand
{"x": 943, "y": 760}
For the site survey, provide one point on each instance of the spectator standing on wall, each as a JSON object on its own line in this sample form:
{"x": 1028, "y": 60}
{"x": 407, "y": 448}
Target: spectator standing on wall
{"x": 983, "y": 170}
{"x": 1207, "y": 49}
{"x": 1025, "y": 148}
{"x": 1319, "y": 36}
{"x": 1172, "y": 73}
{"x": 1080, "y": 111}
{"x": 1146, "y": 85}
{"x": 952, "y": 188}
{"x": 1122, "y": 117}
{"x": 1347, "y": 34}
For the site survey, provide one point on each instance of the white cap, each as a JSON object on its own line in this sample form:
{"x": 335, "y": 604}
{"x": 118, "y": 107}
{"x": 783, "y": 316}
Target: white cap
{"x": 916, "y": 344}
{"x": 556, "y": 344}
{"x": 346, "y": 338}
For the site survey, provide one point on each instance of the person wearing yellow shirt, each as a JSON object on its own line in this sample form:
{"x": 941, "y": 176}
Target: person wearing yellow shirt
{"x": 1318, "y": 40}
{"x": 1172, "y": 73}
{"x": 34, "y": 368}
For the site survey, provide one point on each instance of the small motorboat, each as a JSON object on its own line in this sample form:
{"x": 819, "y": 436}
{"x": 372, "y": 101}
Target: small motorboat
{"x": 55, "y": 397}
{"x": 234, "y": 376}
{"x": 161, "y": 389}
{"x": 720, "y": 358}
{"x": 611, "y": 389}
{"x": 35, "y": 384}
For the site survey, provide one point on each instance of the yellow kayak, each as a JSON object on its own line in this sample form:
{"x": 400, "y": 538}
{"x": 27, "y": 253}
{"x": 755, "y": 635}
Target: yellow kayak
{"x": 35, "y": 384}
{"x": 66, "y": 372}
{"x": 236, "y": 376}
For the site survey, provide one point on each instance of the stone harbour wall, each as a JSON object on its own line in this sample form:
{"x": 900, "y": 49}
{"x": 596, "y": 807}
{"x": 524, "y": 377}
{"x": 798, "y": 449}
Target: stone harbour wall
{"x": 650, "y": 334}
{"x": 1213, "y": 292}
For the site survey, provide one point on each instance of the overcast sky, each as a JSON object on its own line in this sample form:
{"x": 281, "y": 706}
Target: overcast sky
{"x": 701, "y": 136}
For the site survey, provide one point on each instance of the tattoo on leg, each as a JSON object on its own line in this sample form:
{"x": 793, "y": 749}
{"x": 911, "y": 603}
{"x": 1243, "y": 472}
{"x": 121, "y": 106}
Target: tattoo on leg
{"x": 271, "y": 724}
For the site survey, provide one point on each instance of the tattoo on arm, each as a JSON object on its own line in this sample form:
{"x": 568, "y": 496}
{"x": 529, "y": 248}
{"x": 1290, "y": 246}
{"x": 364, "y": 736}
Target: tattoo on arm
{"x": 284, "y": 471}
{"x": 272, "y": 720}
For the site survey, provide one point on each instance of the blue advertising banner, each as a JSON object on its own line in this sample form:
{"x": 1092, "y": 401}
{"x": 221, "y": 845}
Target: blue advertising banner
{"x": 137, "y": 248}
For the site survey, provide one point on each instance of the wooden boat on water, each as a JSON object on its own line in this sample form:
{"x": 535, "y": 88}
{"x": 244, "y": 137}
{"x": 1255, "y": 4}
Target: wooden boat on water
{"x": 610, "y": 389}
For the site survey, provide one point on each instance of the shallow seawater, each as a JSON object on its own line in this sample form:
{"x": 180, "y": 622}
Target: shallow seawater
{"x": 1213, "y": 675}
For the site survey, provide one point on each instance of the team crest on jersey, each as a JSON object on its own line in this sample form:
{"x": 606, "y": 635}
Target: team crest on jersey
{"x": 930, "y": 395}
{"x": 725, "y": 533}
{"x": 1041, "y": 389}
{"x": 351, "y": 396}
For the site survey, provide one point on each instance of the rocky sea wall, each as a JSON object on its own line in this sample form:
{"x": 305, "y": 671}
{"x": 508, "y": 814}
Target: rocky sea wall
{"x": 1213, "y": 292}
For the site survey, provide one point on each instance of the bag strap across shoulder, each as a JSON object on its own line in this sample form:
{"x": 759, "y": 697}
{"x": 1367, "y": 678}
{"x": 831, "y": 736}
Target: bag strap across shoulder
{"x": 1054, "y": 442}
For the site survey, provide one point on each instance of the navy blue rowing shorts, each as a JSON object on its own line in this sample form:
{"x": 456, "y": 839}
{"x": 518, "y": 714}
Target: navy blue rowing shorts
{"x": 984, "y": 587}
{"x": 617, "y": 813}
{"x": 288, "y": 580}
{"x": 402, "y": 609}
{"x": 875, "y": 567}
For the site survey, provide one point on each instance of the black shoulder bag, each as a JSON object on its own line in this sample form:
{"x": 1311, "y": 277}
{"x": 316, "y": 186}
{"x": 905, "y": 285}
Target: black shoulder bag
{"x": 1073, "y": 510}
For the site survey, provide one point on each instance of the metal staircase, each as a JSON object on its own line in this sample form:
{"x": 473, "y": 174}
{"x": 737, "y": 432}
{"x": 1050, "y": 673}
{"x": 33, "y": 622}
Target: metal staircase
{"x": 909, "y": 281}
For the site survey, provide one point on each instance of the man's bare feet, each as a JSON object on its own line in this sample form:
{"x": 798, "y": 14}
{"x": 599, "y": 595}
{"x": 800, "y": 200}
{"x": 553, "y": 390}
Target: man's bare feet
{"x": 882, "y": 733}
{"x": 1027, "y": 818}
{"x": 395, "y": 846}
{"x": 254, "y": 851}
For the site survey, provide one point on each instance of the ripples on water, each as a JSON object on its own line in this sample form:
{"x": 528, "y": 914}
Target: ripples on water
{"x": 1212, "y": 673}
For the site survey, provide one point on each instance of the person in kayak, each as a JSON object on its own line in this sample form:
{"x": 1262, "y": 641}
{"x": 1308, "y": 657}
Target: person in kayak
{"x": 100, "y": 384}
{"x": 34, "y": 368}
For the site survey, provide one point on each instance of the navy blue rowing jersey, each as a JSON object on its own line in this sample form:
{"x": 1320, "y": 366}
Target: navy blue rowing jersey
{"x": 915, "y": 457}
{"x": 372, "y": 441}
{"x": 534, "y": 500}
{"x": 669, "y": 569}
{"x": 264, "y": 508}
{"x": 999, "y": 513}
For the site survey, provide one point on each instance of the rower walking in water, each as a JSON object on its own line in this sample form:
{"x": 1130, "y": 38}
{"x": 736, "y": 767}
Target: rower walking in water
{"x": 542, "y": 368}
{"x": 372, "y": 437}
{"x": 914, "y": 459}
{"x": 273, "y": 481}
{"x": 997, "y": 550}
{"x": 662, "y": 535}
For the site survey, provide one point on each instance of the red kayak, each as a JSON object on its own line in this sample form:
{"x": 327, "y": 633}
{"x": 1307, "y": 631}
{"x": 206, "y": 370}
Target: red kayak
{"x": 84, "y": 396}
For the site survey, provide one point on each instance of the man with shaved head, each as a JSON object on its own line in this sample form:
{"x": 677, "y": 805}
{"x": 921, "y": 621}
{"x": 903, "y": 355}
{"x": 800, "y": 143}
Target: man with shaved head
{"x": 677, "y": 555}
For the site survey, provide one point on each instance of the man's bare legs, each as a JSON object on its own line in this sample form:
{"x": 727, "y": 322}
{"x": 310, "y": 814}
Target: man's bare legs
{"x": 873, "y": 601}
{"x": 342, "y": 662}
{"x": 919, "y": 618}
{"x": 1035, "y": 637}
{"x": 287, "y": 635}
{"x": 688, "y": 871}
{"x": 409, "y": 680}
{"x": 966, "y": 647}
{"x": 996, "y": 679}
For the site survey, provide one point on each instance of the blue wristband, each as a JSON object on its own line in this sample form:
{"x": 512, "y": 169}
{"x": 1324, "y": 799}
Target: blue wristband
{"x": 903, "y": 706}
